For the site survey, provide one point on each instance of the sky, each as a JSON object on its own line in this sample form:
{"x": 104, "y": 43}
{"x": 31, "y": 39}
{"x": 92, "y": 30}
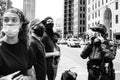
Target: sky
{"x": 44, "y": 8}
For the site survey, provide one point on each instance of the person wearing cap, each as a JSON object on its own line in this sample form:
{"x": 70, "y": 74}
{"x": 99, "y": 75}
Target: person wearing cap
{"x": 101, "y": 52}
{"x": 36, "y": 32}
{"x": 48, "y": 41}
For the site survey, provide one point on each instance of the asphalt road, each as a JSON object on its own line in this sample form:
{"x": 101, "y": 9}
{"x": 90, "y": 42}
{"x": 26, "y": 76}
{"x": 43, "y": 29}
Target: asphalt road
{"x": 70, "y": 57}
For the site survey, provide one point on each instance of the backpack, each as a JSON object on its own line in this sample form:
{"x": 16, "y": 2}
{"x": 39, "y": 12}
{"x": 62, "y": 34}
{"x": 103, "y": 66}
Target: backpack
{"x": 69, "y": 75}
{"x": 109, "y": 50}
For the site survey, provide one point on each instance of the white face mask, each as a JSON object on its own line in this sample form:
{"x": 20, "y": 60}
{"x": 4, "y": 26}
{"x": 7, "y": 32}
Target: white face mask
{"x": 10, "y": 30}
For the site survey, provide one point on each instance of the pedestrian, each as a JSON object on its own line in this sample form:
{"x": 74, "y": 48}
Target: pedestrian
{"x": 56, "y": 59}
{"x": 16, "y": 58}
{"x": 47, "y": 40}
{"x": 101, "y": 53}
{"x": 36, "y": 32}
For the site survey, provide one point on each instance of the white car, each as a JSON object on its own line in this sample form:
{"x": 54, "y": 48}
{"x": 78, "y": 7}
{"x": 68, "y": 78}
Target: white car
{"x": 73, "y": 42}
{"x": 62, "y": 41}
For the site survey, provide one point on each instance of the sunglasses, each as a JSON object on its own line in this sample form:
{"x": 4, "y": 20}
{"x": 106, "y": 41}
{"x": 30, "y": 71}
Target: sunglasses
{"x": 13, "y": 19}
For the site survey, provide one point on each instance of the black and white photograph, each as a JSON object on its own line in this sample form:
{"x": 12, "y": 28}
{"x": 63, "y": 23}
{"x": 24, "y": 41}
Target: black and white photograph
{"x": 59, "y": 39}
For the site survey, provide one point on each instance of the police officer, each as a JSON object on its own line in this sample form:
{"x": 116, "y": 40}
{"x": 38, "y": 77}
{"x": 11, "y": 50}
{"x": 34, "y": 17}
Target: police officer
{"x": 101, "y": 52}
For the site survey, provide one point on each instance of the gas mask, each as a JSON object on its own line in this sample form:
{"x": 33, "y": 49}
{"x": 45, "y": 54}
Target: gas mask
{"x": 38, "y": 30}
{"x": 10, "y": 30}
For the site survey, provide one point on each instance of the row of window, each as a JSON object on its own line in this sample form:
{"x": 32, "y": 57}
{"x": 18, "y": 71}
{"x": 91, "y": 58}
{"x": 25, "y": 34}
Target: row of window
{"x": 82, "y": 2}
{"x": 94, "y": 15}
{"x": 82, "y": 15}
{"x": 95, "y": 7}
{"x": 82, "y": 8}
{"x": 82, "y": 29}
{"x": 116, "y": 21}
{"x": 103, "y": 1}
{"x": 82, "y": 22}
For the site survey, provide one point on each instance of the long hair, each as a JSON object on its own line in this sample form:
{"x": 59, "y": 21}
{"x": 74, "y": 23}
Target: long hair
{"x": 23, "y": 33}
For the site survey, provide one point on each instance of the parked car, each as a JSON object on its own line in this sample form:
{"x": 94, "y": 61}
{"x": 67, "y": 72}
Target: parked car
{"x": 62, "y": 41}
{"x": 83, "y": 43}
{"x": 73, "y": 42}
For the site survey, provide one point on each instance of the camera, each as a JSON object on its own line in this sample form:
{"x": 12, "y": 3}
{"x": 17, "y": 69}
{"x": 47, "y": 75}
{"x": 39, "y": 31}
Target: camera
{"x": 95, "y": 41}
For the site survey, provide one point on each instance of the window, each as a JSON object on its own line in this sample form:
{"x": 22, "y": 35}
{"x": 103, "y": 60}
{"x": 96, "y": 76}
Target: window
{"x": 89, "y": 9}
{"x": 92, "y": 24}
{"x": 92, "y": 7}
{"x": 83, "y": 2}
{"x": 83, "y": 15}
{"x": 83, "y": 8}
{"x": 84, "y": 29}
{"x": 88, "y": 2}
{"x": 80, "y": 22}
{"x": 92, "y": 15}
{"x": 83, "y": 22}
{"x": 99, "y": 3}
{"x": 116, "y": 18}
{"x": 106, "y": 1}
{"x": 80, "y": 15}
{"x": 99, "y": 13}
{"x": 96, "y": 14}
{"x": 80, "y": 8}
{"x": 102, "y": 2}
{"x": 80, "y": 1}
{"x": 65, "y": 24}
{"x": 80, "y": 29}
{"x": 116, "y": 5}
{"x": 88, "y": 26}
{"x": 95, "y": 5}
{"x": 88, "y": 17}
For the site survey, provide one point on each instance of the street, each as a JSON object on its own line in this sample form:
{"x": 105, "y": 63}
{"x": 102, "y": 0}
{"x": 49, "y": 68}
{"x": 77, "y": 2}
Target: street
{"x": 70, "y": 57}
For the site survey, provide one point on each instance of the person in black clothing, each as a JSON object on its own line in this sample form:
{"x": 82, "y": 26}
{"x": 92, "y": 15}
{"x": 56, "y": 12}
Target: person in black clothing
{"x": 16, "y": 57}
{"x": 48, "y": 42}
{"x": 36, "y": 31}
{"x": 101, "y": 53}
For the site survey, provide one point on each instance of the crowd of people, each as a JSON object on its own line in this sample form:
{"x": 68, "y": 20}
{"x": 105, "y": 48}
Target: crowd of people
{"x": 28, "y": 49}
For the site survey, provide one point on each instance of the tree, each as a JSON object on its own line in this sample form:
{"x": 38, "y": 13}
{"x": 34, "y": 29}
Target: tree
{"x": 4, "y": 4}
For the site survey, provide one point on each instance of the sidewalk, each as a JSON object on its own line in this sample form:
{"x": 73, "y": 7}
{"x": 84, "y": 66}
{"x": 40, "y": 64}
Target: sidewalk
{"x": 117, "y": 65}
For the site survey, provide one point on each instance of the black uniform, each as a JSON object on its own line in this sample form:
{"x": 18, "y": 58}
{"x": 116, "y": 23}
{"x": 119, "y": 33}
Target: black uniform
{"x": 49, "y": 47}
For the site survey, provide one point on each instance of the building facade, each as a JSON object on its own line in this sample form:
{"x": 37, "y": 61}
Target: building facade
{"x": 74, "y": 18}
{"x": 79, "y": 18}
{"x": 29, "y": 9}
{"x": 59, "y": 26}
{"x": 68, "y": 18}
{"x": 106, "y": 12}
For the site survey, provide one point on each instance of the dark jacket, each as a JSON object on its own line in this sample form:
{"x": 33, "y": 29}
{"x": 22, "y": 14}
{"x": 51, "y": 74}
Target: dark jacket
{"x": 39, "y": 51}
